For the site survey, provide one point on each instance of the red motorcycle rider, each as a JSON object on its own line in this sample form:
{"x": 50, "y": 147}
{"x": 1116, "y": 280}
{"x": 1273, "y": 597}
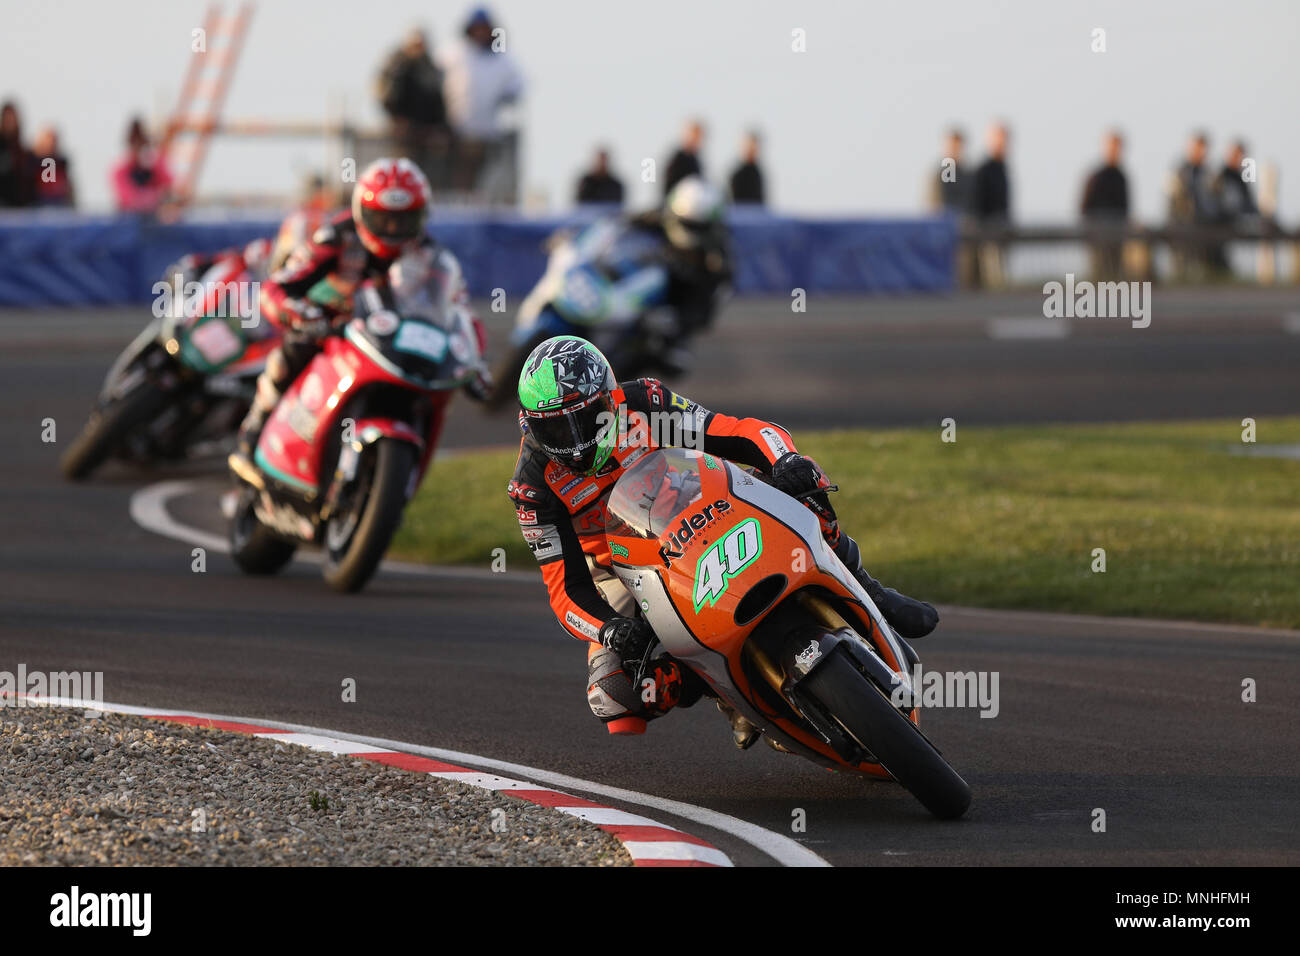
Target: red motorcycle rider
{"x": 581, "y": 430}
{"x": 390, "y": 207}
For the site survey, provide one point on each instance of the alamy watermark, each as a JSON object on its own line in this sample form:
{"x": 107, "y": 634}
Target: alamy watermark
{"x": 662, "y": 429}
{"x": 128, "y": 910}
{"x": 950, "y": 689}
{"x": 1084, "y": 299}
{"x": 27, "y": 688}
{"x": 181, "y": 299}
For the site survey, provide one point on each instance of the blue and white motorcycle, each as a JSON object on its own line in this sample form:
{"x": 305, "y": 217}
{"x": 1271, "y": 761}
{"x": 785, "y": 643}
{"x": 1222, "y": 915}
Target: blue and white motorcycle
{"x": 608, "y": 283}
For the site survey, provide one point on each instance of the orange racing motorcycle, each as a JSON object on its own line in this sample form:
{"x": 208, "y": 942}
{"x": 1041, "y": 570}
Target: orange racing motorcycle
{"x": 739, "y": 585}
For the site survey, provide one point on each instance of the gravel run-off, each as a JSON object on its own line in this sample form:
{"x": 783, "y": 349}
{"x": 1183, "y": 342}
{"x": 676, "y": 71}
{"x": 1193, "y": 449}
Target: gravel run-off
{"x": 121, "y": 790}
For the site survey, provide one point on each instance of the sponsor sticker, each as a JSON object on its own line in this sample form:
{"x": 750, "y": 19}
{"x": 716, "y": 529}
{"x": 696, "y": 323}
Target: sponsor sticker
{"x": 806, "y": 657}
{"x": 383, "y": 323}
{"x": 583, "y": 495}
{"x": 418, "y": 338}
{"x": 544, "y": 540}
{"x": 517, "y": 489}
{"x": 581, "y": 626}
{"x": 394, "y": 197}
{"x": 460, "y": 348}
{"x": 775, "y": 443}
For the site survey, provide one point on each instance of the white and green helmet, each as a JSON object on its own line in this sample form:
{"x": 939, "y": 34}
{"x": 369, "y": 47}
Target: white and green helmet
{"x": 693, "y": 214}
{"x": 565, "y": 397}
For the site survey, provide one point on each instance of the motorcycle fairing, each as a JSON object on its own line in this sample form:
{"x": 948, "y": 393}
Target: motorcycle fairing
{"x": 661, "y": 574}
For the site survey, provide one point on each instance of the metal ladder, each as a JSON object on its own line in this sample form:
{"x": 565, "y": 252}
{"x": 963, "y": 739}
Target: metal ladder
{"x": 203, "y": 93}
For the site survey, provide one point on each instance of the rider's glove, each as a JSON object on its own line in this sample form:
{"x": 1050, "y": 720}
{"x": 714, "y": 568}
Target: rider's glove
{"x": 306, "y": 318}
{"x": 481, "y": 386}
{"x": 803, "y": 479}
{"x": 627, "y": 637}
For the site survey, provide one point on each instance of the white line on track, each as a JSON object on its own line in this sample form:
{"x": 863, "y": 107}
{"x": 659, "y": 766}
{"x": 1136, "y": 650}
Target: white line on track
{"x": 1028, "y": 328}
{"x": 149, "y": 510}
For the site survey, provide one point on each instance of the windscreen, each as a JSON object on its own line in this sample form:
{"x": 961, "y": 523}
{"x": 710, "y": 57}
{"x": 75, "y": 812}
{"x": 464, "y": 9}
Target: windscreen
{"x": 653, "y": 492}
{"x": 419, "y": 288}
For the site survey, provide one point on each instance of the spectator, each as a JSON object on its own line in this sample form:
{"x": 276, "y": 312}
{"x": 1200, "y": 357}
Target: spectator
{"x": 410, "y": 91}
{"x": 686, "y": 160}
{"x": 1192, "y": 203}
{"x": 991, "y": 190}
{"x": 598, "y": 184}
{"x": 1105, "y": 204}
{"x": 1191, "y": 198}
{"x": 141, "y": 181}
{"x": 747, "y": 178}
{"x": 18, "y": 169}
{"x": 53, "y": 181}
{"x": 481, "y": 77}
{"x": 950, "y": 194}
{"x": 991, "y": 206}
{"x": 1233, "y": 205}
{"x": 1233, "y": 199}
{"x": 950, "y": 189}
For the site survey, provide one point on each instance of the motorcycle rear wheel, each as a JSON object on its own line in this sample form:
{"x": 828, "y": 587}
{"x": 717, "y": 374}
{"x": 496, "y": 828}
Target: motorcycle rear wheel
{"x": 847, "y": 696}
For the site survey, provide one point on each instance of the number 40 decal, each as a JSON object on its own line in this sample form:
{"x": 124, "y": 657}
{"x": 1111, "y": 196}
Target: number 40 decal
{"x": 722, "y": 562}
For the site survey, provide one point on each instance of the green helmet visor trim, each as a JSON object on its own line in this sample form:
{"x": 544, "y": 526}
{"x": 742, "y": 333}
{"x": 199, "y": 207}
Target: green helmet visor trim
{"x": 580, "y": 440}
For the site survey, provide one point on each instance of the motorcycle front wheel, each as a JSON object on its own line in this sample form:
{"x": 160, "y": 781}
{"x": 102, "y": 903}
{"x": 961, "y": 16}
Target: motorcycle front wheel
{"x": 109, "y": 426}
{"x": 359, "y": 534}
{"x": 845, "y": 695}
{"x": 255, "y": 548}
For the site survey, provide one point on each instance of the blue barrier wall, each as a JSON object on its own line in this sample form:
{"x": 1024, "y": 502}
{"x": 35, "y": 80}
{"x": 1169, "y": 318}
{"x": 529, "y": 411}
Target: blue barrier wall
{"x": 52, "y": 259}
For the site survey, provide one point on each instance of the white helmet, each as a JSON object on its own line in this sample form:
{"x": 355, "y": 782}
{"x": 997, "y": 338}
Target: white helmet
{"x": 693, "y": 214}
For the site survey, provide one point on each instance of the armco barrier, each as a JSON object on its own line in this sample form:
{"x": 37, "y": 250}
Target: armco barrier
{"x": 62, "y": 259}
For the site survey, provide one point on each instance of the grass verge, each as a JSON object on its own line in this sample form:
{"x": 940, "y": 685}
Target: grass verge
{"x": 1009, "y": 517}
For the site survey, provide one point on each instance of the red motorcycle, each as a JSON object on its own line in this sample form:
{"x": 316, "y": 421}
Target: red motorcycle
{"x": 352, "y": 437}
{"x": 186, "y": 381}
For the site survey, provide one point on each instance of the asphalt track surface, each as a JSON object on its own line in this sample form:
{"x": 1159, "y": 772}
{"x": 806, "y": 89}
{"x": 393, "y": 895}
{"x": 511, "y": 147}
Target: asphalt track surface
{"x": 1141, "y": 719}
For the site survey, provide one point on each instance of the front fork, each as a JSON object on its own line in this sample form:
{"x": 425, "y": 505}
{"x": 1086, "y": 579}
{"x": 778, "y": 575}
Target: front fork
{"x": 799, "y": 659}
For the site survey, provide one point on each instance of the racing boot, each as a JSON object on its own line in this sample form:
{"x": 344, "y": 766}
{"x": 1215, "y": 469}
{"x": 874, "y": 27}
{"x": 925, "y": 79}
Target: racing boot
{"x": 270, "y": 386}
{"x": 250, "y": 429}
{"x": 743, "y": 733}
{"x": 911, "y": 618}
{"x": 627, "y": 694}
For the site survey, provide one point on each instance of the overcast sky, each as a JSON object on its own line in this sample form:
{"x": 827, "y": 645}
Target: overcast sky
{"x": 852, "y": 125}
